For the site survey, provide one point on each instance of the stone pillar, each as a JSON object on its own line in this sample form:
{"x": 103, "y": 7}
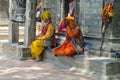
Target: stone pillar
{"x": 62, "y": 10}
{"x": 114, "y": 38}
{"x": 77, "y": 10}
{"x": 90, "y": 23}
{"x": 13, "y": 27}
{"x": 29, "y": 30}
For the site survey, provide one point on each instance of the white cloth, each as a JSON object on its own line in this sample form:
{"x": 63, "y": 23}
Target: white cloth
{"x": 38, "y": 13}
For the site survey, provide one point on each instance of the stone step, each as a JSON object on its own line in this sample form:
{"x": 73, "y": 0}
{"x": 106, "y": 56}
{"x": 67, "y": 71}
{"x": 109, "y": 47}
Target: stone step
{"x": 6, "y": 33}
{"x": 4, "y": 22}
{"x": 67, "y": 62}
{"x": 5, "y": 30}
{"x": 102, "y": 68}
{"x": 14, "y": 49}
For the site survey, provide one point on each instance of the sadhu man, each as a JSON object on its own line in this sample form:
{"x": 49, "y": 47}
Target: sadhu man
{"x": 74, "y": 40}
{"x": 48, "y": 31}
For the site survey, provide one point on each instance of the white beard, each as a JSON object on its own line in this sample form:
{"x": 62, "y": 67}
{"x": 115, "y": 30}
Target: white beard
{"x": 46, "y": 22}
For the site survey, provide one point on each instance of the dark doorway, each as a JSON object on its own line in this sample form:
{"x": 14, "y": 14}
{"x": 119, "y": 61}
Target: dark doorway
{"x": 66, "y": 7}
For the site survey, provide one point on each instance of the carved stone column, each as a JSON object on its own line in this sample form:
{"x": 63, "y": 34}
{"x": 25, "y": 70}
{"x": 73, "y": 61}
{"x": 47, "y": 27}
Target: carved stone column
{"x": 114, "y": 39}
{"x": 30, "y": 23}
{"x": 13, "y": 27}
{"x": 77, "y": 10}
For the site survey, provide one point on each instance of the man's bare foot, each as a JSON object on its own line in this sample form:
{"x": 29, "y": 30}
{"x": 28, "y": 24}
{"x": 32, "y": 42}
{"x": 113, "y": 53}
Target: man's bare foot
{"x": 38, "y": 59}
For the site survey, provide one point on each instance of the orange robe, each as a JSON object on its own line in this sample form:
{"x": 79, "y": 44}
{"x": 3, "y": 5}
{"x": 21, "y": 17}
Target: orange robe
{"x": 67, "y": 48}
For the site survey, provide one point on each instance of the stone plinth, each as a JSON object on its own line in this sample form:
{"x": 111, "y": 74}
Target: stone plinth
{"x": 17, "y": 51}
{"x": 104, "y": 68}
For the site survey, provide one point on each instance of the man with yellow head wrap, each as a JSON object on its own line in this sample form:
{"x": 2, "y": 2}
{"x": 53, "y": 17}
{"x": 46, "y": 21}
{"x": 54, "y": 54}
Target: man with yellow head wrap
{"x": 74, "y": 39}
{"x": 48, "y": 31}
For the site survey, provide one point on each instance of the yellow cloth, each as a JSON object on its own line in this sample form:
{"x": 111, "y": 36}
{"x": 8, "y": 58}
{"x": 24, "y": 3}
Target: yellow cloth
{"x": 49, "y": 32}
{"x": 36, "y": 46}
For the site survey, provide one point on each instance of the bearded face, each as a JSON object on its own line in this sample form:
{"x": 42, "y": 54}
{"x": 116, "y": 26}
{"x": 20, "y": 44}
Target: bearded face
{"x": 46, "y": 21}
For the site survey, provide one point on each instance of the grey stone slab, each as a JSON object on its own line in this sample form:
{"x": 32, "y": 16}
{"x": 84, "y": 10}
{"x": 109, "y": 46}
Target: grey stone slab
{"x": 102, "y": 68}
{"x": 19, "y": 51}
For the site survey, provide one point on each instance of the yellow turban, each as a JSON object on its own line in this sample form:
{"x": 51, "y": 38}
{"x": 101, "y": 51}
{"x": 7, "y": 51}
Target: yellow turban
{"x": 72, "y": 22}
{"x": 45, "y": 15}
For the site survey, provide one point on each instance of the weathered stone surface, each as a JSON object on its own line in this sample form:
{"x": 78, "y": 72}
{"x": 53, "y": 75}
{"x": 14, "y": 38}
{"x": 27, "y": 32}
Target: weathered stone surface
{"x": 100, "y": 67}
{"x": 1, "y": 47}
{"x": 114, "y": 38}
{"x": 30, "y": 23}
{"x": 64, "y": 61}
{"x": 13, "y": 49}
{"x": 13, "y": 32}
{"x": 90, "y": 23}
{"x": 4, "y": 6}
{"x": 89, "y": 17}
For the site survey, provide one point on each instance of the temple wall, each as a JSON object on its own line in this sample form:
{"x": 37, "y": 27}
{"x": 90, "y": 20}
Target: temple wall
{"x": 4, "y": 7}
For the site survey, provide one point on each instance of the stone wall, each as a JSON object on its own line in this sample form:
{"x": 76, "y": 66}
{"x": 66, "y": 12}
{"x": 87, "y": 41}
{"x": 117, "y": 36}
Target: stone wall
{"x": 4, "y": 7}
{"x": 91, "y": 23}
{"x": 55, "y": 8}
{"x": 89, "y": 18}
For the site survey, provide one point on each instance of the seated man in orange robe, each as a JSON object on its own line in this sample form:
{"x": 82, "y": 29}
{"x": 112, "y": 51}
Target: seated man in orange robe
{"x": 74, "y": 39}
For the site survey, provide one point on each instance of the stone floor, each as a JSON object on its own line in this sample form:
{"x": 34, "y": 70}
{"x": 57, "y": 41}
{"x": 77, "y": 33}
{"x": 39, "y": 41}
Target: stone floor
{"x": 12, "y": 69}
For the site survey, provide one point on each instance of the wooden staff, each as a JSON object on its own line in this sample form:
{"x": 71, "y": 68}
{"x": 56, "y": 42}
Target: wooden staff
{"x": 105, "y": 25}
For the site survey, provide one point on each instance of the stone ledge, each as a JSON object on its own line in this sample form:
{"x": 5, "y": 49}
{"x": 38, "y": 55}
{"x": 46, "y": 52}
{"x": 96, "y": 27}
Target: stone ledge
{"x": 102, "y": 68}
{"x": 105, "y": 66}
{"x": 19, "y": 51}
{"x": 4, "y": 22}
{"x": 63, "y": 60}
